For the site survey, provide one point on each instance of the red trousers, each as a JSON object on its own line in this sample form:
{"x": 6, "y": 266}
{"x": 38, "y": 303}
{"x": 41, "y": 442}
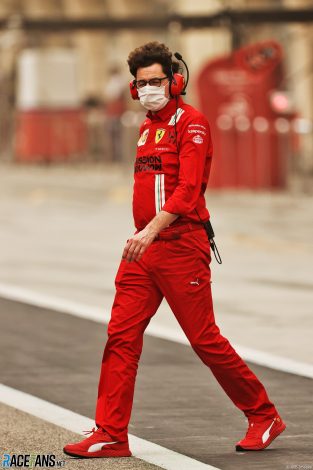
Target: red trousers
{"x": 179, "y": 271}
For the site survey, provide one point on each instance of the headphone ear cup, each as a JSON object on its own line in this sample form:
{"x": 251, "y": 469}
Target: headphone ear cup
{"x": 133, "y": 90}
{"x": 177, "y": 84}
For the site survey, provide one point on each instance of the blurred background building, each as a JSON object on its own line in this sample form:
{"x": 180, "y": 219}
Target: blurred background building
{"x": 64, "y": 81}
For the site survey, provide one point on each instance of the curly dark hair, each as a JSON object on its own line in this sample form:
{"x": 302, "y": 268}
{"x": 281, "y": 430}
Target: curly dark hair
{"x": 152, "y": 53}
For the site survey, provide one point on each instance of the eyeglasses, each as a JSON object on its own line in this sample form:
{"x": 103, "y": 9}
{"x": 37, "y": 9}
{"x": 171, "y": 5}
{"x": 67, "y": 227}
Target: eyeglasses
{"x": 152, "y": 82}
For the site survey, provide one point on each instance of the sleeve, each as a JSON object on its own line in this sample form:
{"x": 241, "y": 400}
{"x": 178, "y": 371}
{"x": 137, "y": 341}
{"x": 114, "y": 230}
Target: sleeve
{"x": 195, "y": 148}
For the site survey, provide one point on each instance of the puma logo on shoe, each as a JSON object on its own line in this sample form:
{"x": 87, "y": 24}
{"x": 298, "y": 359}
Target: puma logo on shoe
{"x": 195, "y": 283}
{"x": 266, "y": 434}
{"x": 99, "y": 445}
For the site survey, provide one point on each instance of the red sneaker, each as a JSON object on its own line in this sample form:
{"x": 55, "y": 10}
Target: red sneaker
{"x": 260, "y": 434}
{"x": 99, "y": 444}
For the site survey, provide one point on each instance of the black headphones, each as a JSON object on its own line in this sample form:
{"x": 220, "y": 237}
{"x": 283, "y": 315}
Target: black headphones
{"x": 179, "y": 57}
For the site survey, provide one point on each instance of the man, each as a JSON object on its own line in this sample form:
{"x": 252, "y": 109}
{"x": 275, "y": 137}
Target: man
{"x": 168, "y": 256}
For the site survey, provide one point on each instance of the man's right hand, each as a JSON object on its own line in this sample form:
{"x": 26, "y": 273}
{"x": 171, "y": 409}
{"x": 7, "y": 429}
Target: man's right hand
{"x": 137, "y": 244}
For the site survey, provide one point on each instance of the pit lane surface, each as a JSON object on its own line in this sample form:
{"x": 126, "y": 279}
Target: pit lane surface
{"x": 178, "y": 404}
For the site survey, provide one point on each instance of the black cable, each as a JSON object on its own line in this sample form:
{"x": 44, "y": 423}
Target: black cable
{"x": 210, "y": 233}
{"x": 207, "y": 225}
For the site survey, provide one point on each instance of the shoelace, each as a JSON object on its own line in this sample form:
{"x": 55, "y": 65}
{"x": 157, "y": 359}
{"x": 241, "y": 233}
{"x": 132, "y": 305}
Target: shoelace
{"x": 252, "y": 430}
{"x": 93, "y": 430}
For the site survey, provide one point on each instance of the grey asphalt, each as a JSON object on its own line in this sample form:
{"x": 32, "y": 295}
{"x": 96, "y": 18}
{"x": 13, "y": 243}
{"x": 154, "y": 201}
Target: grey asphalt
{"x": 178, "y": 404}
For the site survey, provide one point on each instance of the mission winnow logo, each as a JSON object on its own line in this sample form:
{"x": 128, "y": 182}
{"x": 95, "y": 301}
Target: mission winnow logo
{"x": 30, "y": 460}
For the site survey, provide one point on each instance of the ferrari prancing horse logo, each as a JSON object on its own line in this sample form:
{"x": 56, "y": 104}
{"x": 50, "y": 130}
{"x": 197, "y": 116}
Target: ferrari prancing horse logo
{"x": 159, "y": 135}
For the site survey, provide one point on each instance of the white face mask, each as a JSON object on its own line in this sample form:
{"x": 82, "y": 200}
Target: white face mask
{"x": 153, "y": 97}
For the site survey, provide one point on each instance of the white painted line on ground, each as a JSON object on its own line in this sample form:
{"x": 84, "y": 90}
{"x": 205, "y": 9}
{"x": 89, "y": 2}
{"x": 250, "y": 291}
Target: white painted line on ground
{"x": 74, "y": 422}
{"x": 272, "y": 361}
{"x": 28, "y": 296}
{"x": 100, "y": 315}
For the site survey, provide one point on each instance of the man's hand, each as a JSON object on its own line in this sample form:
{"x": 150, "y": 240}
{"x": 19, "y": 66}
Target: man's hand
{"x": 137, "y": 244}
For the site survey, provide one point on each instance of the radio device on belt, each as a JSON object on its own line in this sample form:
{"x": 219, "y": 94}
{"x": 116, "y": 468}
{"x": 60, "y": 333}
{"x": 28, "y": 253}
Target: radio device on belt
{"x": 210, "y": 233}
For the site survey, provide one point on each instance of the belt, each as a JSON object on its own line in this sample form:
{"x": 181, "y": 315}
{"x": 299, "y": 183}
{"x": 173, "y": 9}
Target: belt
{"x": 175, "y": 233}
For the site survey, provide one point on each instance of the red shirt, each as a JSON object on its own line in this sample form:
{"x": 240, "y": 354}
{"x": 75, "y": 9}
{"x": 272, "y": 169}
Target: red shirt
{"x": 172, "y": 165}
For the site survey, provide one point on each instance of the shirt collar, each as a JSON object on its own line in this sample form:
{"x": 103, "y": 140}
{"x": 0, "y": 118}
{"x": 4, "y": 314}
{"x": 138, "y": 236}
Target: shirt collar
{"x": 167, "y": 111}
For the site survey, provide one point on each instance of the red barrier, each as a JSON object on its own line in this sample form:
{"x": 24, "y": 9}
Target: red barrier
{"x": 50, "y": 135}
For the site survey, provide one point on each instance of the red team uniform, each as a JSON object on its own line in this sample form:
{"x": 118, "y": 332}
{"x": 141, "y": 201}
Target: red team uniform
{"x": 175, "y": 266}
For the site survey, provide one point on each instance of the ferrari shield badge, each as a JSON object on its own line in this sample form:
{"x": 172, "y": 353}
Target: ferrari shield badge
{"x": 159, "y": 135}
